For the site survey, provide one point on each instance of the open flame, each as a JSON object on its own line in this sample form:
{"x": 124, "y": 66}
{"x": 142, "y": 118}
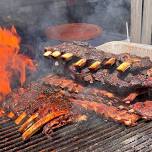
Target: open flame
{"x": 11, "y": 61}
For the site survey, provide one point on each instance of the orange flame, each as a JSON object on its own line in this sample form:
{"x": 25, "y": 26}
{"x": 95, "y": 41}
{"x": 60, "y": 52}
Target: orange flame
{"x": 11, "y": 61}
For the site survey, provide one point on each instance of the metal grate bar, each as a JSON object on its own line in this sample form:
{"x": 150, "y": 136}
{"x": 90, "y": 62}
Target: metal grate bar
{"x": 74, "y": 137}
{"x": 92, "y": 135}
{"x": 126, "y": 137}
{"x": 36, "y": 140}
{"x": 65, "y": 137}
{"x": 121, "y": 138}
{"x": 98, "y": 133}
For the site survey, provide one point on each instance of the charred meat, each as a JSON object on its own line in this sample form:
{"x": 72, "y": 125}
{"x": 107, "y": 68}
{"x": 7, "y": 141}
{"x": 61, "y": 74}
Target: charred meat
{"x": 122, "y": 116}
{"x": 144, "y": 109}
{"x": 121, "y": 73}
{"x": 38, "y": 105}
{"x": 52, "y": 95}
{"x": 54, "y": 101}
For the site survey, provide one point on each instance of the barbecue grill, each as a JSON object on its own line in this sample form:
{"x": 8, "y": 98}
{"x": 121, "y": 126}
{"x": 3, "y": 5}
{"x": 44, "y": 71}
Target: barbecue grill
{"x": 97, "y": 133}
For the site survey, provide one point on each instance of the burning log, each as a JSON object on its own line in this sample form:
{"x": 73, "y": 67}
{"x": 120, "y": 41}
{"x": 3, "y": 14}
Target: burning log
{"x": 95, "y": 66}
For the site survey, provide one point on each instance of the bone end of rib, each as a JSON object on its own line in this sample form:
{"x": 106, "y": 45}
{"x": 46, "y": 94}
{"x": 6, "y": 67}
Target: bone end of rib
{"x": 111, "y": 61}
{"x": 67, "y": 56}
{"x": 20, "y": 118}
{"x": 124, "y": 66}
{"x": 95, "y": 65}
{"x": 56, "y": 54}
{"x": 40, "y": 123}
{"x": 48, "y": 53}
{"x": 28, "y": 122}
{"x": 80, "y": 63}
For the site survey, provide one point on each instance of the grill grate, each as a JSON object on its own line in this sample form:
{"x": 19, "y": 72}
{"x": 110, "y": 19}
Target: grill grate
{"x": 95, "y": 134}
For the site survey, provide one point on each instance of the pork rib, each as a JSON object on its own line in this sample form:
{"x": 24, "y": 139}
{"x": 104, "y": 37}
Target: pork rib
{"x": 122, "y": 116}
{"x": 53, "y": 99}
{"x": 144, "y": 109}
{"x": 121, "y": 82}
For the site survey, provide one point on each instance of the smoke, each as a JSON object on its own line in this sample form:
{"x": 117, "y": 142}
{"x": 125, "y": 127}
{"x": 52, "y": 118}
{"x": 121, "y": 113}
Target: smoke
{"x": 31, "y": 18}
{"x": 37, "y": 14}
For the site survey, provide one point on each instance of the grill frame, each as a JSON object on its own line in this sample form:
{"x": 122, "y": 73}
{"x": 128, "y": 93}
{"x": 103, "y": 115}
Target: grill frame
{"x": 95, "y": 134}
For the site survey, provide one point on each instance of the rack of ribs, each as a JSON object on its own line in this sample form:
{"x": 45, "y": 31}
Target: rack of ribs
{"x": 54, "y": 101}
{"x": 120, "y": 90}
{"x": 123, "y": 73}
{"x": 108, "y": 99}
{"x": 38, "y": 105}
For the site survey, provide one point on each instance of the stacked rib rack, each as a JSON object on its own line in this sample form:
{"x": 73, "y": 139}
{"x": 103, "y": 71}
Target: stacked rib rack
{"x": 127, "y": 77}
{"x": 121, "y": 73}
{"x": 120, "y": 90}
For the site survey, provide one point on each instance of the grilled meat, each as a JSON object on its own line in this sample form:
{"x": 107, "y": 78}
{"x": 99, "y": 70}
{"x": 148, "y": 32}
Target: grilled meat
{"x": 81, "y": 92}
{"x": 53, "y": 101}
{"x": 37, "y": 91}
{"x": 122, "y": 116}
{"x": 24, "y": 97}
{"x": 122, "y": 84}
{"x": 144, "y": 109}
{"x": 73, "y": 87}
{"x": 56, "y": 123}
{"x": 40, "y": 123}
{"x": 107, "y": 67}
{"x": 38, "y": 105}
{"x": 85, "y": 51}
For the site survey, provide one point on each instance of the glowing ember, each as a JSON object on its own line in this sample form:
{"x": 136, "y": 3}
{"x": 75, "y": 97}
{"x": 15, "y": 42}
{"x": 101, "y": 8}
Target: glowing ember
{"x": 11, "y": 62}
